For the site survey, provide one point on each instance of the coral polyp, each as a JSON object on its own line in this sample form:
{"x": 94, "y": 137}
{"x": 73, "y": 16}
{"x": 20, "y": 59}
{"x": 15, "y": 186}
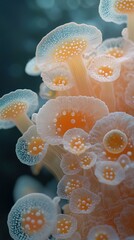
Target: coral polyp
{"x": 83, "y": 133}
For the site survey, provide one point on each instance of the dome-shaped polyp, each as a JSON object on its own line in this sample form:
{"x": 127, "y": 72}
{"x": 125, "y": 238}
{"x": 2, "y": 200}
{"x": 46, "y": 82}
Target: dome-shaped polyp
{"x": 69, "y": 164}
{"x": 68, "y": 43}
{"x": 63, "y": 113}
{"x": 124, "y": 161}
{"x": 129, "y": 95}
{"x": 109, "y": 172}
{"x": 15, "y": 106}
{"x": 69, "y": 183}
{"x": 65, "y": 227}
{"x": 83, "y": 201}
{"x": 46, "y": 93}
{"x": 75, "y": 141}
{"x": 87, "y": 160}
{"x": 26, "y": 184}
{"x": 102, "y": 232}
{"x": 59, "y": 78}
{"x": 30, "y": 148}
{"x": 115, "y": 135}
{"x": 125, "y": 221}
{"x": 31, "y": 68}
{"x": 32, "y": 217}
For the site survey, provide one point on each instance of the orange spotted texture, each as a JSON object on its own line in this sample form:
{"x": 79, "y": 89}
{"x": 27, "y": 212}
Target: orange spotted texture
{"x": 73, "y": 119}
{"x": 13, "y": 111}
{"x": 115, "y": 52}
{"x": 109, "y": 174}
{"x": 60, "y": 80}
{"x": 105, "y": 71}
{"x": 69, "y": 49}
{"x": 124, "y": 6}
{"x": 35, "y": 146}
{"x": 78, "y": 143}
{"x": 84, "y": 203}
{"x": 33, "y": 221}
{"x": 72, "y": 166}
{"x": 85, "y": 161}
{"x": 63, "y": 226}
{"x": 73, "y": 184}
{"x": 102, "y": 236}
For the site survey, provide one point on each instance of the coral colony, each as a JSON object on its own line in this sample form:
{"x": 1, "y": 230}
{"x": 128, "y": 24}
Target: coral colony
{"x": 84, "y": 133}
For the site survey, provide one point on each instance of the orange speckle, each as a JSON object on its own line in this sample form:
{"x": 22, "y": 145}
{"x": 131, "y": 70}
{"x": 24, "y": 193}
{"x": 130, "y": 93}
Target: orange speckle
{"x": 101, "y": 236}
{"x": 60, "y": 81}
{"x": 35, "y": 146}
{"x": 109, "y": 173}
{"x": 77, "y": 143}
{"x": 85, "y": 161}
{"x": 115, "y": 52}
{"x": 124, "y": 6}
{"x": 63, "y": 226}
{"x": 13, "y": 111}
{"x": 84, "y": 203}
{"x": 33, "y": 221}
{"x": 71, "y": 119}
{"x": 72, "y": 185}
{"x": 69, "y": 49}
{"x": 105, "y": 71}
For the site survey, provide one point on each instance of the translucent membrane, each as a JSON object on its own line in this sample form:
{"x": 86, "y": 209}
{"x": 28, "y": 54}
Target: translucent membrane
{"x": 87, "y": 160}
{"x": 70, "y": 164}
{"x": 45, "y": 92}
{"x": 69, "y": 183}
{"x": 15, "y": 107}
{"x": 59, "y": 78}
{"x": 83, "y": 201}
{"x": 124, "y": 161}
{"x": 64, "y": 113}
{"x": 30, "y": 148}
{"x": 129, "y": 95}
{"x": 75, "y": 141}
{"x": 31, "y": 217}
{"x": 105, "y": 232}
{"x": 31, "y": 68}
{"x": 65, "y": 227}
{"x": 109, "y": 172}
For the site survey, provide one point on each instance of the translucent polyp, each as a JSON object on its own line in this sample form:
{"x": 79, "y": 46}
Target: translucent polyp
{"x": 31, "y": 68}
{"x": 100, "y": 232}
{"x": 70, "y": 164}
{"x": 83, "y": 201}
{"x": 64, "y": 113}
{"x": 87, "y": 160}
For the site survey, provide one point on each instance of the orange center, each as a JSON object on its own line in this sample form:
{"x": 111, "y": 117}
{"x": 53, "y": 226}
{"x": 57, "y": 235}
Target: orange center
{"x": 71, "y": 119}
{"x": 33, "y": 221}
{"x": 105, "y": 71}
{"x": 109, "y": 173}
{"x": 115, "y": 52}
{"x": 69, "y": 49}
{"x": 72, "y": 166}
{"x": 85, "y": 161}
{"x": 60, "y": 81}
{"x": 35, "y": 146}
{"x": 84, "y": 203}
{"x": 77, "y": 143}
{"x": 124, "y": 6}
{"x": 101, "y": 236}
{"x": 115, "y": 141}
{"x": 63, "y": 226}
{"x": 72, "y": 185}
{"x": 13, "y": 111}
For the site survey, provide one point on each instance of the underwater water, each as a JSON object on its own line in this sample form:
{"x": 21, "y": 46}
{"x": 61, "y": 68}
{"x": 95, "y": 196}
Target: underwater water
{"x": 24, "y": 25}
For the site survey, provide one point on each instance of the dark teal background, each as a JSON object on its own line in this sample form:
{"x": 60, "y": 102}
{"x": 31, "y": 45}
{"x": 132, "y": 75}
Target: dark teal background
{"x": 23, "y": 24}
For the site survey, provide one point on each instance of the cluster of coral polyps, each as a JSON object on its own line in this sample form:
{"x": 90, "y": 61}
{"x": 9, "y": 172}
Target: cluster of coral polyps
{"x": 84, "y": 134}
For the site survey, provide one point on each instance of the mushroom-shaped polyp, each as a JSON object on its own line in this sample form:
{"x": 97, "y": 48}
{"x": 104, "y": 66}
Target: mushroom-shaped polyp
{"x": 15, "y": 108}
{"x": 118, "y": 11}
{"x": 87, "y": 160}
{"x": 32, "y": 217}
{"x": 63, "y": 113}
{"x": 30, "y": 148}
{"x": 83, "y": 201}
{"x": 67, "y": 44}
{"x": 100, "y": 232}
{"x": 45, "y": 92}
{"x": 105, "y": 69}
{"x": 70, "y": 164}
{"x": 65, "y": 227}
{"x": 114, "y": 135}
{"x": 31, "y": 68}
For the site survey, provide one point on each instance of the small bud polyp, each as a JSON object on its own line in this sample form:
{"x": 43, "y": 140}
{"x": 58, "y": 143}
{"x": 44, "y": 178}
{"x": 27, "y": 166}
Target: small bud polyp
{"x": 101, "y": 236}
{"x": 72, "y": 185}
{"x": 35, "y": 146}
{"x": 115, "y": 52}
{"x": 109, "y": 173}
{"x": 84, "y": 203}
{"x": 69, "y": 49}
{"x": 105, "y": 71}
{"x": 63, "y": 226}
{"x": 124, "y": 6}
{"x": 115, "y": 141}
{"x": 13, "y": 111}
{"x": 33, "y": 221}
{"x": 60, "y": 81}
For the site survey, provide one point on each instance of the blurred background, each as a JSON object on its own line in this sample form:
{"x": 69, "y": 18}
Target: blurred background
{"x": 23, "y": 24}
